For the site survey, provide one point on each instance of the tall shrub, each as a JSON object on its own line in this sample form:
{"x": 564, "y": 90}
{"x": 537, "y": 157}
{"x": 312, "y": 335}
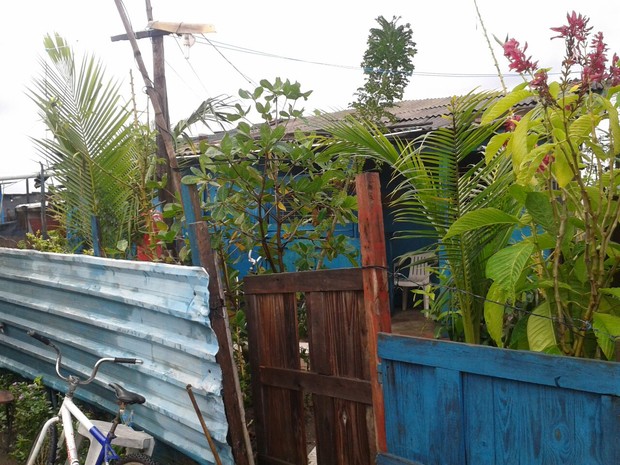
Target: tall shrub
{"x": 564, "y": 156}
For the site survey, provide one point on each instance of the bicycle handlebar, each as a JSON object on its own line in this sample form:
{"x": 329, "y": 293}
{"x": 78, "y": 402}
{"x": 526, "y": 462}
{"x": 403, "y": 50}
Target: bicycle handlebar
{"x": 74, "y": 379}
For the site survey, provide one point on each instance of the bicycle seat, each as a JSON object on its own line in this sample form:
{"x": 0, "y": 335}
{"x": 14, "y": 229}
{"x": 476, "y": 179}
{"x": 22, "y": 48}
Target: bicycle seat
{"x": 125, "y": 396}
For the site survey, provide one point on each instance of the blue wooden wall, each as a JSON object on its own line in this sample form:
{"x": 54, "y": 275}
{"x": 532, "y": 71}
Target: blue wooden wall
{"x": 450, "y": 403}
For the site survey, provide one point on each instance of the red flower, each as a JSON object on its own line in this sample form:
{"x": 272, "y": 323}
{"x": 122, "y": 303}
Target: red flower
{"x": 614, "y": 71}
{"x": 511, "y": 123}
{"x": 516, "y": 56}
{"x": 540, "y": 80}
{"x": 577, "y": 27}
{"x": 546, "y": 161}
{"x": 596, "y": 61}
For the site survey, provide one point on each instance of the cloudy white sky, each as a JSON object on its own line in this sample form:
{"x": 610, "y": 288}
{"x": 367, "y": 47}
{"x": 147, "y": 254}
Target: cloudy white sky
{"x": 319, "y": 44}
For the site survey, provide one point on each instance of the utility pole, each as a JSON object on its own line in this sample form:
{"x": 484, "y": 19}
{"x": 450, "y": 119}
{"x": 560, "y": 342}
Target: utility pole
{"x": 159, "y": 81}
{"x": 202, "y": 254}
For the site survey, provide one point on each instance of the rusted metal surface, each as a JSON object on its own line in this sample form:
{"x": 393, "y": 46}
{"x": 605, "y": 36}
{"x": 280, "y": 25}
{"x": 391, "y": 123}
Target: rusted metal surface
{"x": 94, "y": 307}
{"x": 338, "y": 378}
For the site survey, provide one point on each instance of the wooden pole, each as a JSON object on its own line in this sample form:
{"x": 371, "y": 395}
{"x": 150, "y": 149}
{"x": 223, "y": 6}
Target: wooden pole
{"x": 376, "y": 295}
{"x": 160, "y": 119}
{"x": 159, "y": 81}
{"x": 205, "y": 257}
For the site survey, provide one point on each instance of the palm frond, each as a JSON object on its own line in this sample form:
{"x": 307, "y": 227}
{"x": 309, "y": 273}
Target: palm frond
{"x": 92, "y": 149}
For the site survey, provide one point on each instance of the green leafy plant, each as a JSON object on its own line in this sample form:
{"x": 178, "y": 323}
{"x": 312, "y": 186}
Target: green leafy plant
{"x": 55, "y": 242}
{"x": 438, "y": 178}
{"x": 388, "y": 67}
{"x": 562, "y": 266}
{"x": 275, "y": 193}
{"x": 93, "y": 151}
{"x": 32, "y": 407}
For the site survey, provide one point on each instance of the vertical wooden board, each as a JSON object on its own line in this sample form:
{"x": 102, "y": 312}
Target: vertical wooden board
{"x": 278, "y": 331}
{"x": 285, "y": 426}
{"x": 351, "y": 440}
{"x": 280, "y": 426}
{"x": 588, "y": 419}
{"x": 512, "y": 440}
{"x": 255, "y": 342}
{"x": 340, "y": 337}
{"x": 408, "y": 412}
{"x": 337, "y": 330}
{"x": 479, "y": 419}
{"x": 609, "y": 429}
{"x": 325, "y": 429}
{"x": 448, "y": 418}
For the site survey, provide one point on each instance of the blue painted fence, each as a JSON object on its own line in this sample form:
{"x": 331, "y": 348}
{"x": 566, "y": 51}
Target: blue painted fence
{"x": 94, "y": 307}
{"x": 449, "y": 403}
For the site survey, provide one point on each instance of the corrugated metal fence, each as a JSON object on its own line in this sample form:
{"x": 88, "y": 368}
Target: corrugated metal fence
{"x": 93, "y": 307}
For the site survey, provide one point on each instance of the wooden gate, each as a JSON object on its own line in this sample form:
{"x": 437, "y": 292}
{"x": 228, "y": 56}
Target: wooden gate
{"x": 337, "y": 379}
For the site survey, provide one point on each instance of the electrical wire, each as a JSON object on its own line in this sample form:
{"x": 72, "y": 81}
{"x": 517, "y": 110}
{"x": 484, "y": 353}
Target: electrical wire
{"x": 235, "y": 48}
{"x": 575, "y": 328}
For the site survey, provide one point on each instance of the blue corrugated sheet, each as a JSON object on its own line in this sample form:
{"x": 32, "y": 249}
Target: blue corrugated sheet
{"x": 93, "y": 307}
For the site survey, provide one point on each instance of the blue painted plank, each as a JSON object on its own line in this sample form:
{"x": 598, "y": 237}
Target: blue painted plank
{"x": 494, "y": 419}
{"x": 478, "y": 395}
{"x": 549, "y": 370}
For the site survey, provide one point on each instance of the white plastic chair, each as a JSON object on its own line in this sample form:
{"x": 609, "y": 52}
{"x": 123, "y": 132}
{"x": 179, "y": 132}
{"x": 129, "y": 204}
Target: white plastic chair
{"x": 417, "y": 275}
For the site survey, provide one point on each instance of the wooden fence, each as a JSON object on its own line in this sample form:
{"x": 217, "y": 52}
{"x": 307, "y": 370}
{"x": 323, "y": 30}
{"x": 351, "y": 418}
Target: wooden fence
{"x": 454, "y": 404}
{"x": 338, "y": 376}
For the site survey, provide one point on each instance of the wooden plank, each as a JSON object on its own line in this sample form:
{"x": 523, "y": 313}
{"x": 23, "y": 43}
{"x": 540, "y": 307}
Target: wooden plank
{"x": 478, "y": 398}
{"x": 345, "y": 279}
{"x": 532, "y": 367}
{"x": 389, "y": 459}
{"x": 448, "y": 418}
{"x": 376, "y": 295}
{"x": 343, "y": 388}
{"x": 272, "y": 335}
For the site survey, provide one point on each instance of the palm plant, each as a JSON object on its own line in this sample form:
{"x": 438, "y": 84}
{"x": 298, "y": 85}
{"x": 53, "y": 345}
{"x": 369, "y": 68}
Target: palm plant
{"x": 434, "y": 186}
{"x": 93, "y": 150}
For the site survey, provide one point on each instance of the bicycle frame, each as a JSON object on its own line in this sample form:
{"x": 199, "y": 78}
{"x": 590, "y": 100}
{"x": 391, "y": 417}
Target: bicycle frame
{"x": 68, "y": 410}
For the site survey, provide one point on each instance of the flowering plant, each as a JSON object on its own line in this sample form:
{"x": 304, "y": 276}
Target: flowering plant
{"x": 553, "y": 287}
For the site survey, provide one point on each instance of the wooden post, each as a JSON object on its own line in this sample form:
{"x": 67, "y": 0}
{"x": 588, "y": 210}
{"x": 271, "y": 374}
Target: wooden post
{"x": 376, "y": 295}
{"x": 203, "y": 255}
{"x": 240, "y": 442}
{"x": 159, "y": 82}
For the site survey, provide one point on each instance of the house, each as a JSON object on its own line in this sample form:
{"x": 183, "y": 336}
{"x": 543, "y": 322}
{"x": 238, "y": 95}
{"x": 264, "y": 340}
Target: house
{"x": 412, "y": 119}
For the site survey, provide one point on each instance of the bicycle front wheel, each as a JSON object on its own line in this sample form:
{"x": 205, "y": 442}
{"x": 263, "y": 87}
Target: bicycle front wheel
{"x": 136, "y": 459}
{"x": 46, "y": 455}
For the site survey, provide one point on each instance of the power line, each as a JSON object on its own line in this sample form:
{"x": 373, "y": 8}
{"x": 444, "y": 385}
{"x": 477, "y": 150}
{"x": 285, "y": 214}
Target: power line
{"x": 235, "y": 48}
{"x": 251, "y": 81}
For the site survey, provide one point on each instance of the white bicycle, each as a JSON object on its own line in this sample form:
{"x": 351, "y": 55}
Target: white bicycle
{"x": 48, "y": 445}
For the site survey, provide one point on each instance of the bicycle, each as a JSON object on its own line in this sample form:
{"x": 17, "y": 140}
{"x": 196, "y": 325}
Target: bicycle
{"x": 46, "y": 446}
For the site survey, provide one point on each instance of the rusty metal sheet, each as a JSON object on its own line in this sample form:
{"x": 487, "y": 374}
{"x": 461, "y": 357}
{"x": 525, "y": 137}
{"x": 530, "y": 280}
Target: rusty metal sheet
{"x": 93, "y": 307}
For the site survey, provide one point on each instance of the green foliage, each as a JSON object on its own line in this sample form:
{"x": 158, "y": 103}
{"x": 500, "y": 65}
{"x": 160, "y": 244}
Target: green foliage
{"x": 388, "y": 67}
{"x": 31, "y": 409}
{"x": 436, "y": 186}
{"x": 55, "y": 242}
{"x": 94, "y": 151}
{"x": 275, "y": 193}
{"x": 564, "y": 155}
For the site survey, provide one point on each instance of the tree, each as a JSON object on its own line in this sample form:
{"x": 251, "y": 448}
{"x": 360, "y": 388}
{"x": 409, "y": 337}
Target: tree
{"x": 274, "y": 193}
{"x": 93, "y": 150}
{"x": 434, "y": 187}
{"x": 388, "y": 66}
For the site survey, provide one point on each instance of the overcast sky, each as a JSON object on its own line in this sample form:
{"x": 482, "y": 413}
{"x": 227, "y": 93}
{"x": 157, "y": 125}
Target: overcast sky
{"x": 319, "y": 44}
